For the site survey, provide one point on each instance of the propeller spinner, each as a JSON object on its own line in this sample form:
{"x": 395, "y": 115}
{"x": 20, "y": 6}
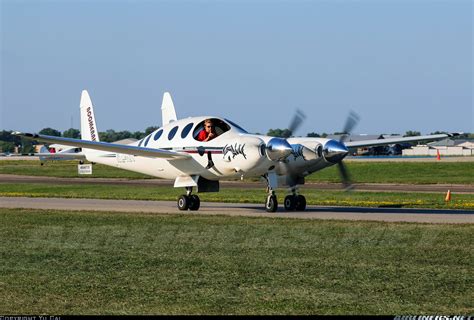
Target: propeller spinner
{"x": 278, "y": 149}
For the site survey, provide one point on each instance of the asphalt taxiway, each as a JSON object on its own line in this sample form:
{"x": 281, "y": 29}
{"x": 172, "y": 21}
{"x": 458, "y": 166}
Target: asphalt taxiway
{"x": 376, "y": 187}
{"x": 247, "y": 210}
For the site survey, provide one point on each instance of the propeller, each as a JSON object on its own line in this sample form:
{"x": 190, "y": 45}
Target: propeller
{"x": 335, "y": 151}
{"x": 278, "y": 149}
{"x": 295, "y": 123}
{"x": 351, "y": 122}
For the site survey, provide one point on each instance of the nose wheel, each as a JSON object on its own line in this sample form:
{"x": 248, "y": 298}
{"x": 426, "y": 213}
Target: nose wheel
{"x": 189, "y": 201}
{"x": 271, "y": 205}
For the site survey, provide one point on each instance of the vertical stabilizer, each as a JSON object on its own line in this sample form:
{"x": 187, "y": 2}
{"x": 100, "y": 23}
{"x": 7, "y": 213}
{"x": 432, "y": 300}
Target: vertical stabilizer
{"x": 168, "y": 114}
{"x": 88, "y": 127}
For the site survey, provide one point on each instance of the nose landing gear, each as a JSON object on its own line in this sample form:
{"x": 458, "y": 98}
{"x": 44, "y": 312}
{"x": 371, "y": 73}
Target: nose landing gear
{"x": 189, "y": 201}
{"x": 271, "y": 205}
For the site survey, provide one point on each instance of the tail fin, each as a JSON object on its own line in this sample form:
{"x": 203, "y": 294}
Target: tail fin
{"x": 168, "y": 114}
{"x": 88, "y": 127}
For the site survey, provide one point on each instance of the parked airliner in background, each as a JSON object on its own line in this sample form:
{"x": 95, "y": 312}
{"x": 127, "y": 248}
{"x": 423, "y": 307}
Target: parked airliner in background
{"x": 174, "y": 152}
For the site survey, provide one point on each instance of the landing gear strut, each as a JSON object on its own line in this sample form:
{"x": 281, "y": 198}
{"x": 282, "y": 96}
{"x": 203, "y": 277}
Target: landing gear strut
{"x": 271, "y": 204}
{"x": 189, "y": 201}
{"x": 295, "y": 201}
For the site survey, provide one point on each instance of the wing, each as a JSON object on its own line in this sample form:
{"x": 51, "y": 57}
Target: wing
{"x": 382, "y": 142}
{"x": 105, "y": 146}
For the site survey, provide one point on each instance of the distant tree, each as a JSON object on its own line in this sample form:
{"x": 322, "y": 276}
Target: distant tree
{"x": 125, "y": 134}
{"x": 438, "y": 132}
{"x": 412, "y": 133}
{"x": 6, "y": 146}
{"x": 72, "y": 133}
{"x": 108, "y": 136}
{"x": 138, "y": 135}
{"x": 281, "y": 133}
{"x": 50, "y": 132}
{"x": 313, "y": 135}
{"x": 26, "y": 146}
{"x": 7, "y": 136}
{"x": 150, "y": 130}
{"x": 8, "y": 141}
{"x": 324, "y": 135}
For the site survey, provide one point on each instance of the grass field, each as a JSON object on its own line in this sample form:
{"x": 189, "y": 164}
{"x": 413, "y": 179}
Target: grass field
{"x": 99, "y": 263}
{"x": 314, "y": 197}
{"x": 362, "y": 172}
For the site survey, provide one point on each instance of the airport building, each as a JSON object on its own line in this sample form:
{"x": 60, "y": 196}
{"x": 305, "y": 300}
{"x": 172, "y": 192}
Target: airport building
{"x": 446, "y": 147}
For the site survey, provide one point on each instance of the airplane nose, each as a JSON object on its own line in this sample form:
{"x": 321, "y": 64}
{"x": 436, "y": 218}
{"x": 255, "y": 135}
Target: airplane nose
{"x": 334, "y": 151}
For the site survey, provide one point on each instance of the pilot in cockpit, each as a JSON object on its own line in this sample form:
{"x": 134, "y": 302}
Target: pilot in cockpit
{"x": 208, "y": 133}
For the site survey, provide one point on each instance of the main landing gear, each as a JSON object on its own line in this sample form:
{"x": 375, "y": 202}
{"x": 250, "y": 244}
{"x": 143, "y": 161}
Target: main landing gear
{"x": 189, "y": 201}
{"x": 295, "y": 201}
{"x": 292, "y": 202}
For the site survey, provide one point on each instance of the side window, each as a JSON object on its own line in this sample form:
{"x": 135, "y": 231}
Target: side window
{"x": 186, "y": 130}
{"x": 140, "y": 143}
{"x": 158, "y": 134}
{"x": 172, "y": 133}
{"x": 146, "y": 141}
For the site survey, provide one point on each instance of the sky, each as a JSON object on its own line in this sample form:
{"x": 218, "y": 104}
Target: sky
{"x": 400, "y": 65}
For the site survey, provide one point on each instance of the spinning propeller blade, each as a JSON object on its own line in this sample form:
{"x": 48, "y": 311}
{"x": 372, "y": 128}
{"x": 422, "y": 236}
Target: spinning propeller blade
{"x": 351, "y": 121}
{"x": 296, "y": 122}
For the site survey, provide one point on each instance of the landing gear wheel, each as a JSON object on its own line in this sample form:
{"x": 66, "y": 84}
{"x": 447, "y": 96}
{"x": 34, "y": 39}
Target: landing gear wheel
{"x": 300, "y": 203}
{"x": 290, "y": 203}
{"x": 195, "y": 202}
{"x": 183, "y": 202}
{"x": 271, "y": 205}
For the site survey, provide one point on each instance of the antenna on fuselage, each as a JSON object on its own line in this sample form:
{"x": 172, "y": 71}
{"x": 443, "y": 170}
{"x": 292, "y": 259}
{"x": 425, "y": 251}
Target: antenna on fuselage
{"x": 168, "y": 114}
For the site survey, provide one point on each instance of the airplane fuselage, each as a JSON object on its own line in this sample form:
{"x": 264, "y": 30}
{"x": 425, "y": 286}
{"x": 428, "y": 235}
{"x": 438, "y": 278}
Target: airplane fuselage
{"x": 233, "y": 153}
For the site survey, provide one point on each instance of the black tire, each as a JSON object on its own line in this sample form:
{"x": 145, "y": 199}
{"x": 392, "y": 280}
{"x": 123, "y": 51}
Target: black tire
{"x": 183, "y": 202}
{"x": 290, "y": 203}
{"x": 271, "y": 205}
{"x": 300, "y": 203}
{"x": 195, "y": 203}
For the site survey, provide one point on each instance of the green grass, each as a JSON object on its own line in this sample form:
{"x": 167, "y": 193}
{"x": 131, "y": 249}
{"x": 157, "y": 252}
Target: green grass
{"x": 362, "y": 172}
{"x": 64, "y": 169}
{"x": 54, "y": 262}
{"x": 314, "y": 197}
{"x": 401, "y": 172}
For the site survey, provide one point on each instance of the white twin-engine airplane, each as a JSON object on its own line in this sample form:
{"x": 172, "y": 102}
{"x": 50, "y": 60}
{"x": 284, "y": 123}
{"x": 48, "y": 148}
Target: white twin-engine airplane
{"x": 174, "y": 152}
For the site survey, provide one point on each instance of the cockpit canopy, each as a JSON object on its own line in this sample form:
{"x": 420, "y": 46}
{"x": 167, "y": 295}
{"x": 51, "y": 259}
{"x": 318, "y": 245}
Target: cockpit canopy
{"x": 219, "y": 127}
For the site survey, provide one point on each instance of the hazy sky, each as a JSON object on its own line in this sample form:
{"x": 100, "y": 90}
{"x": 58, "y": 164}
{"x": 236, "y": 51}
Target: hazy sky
{"x": 401, "y": 65}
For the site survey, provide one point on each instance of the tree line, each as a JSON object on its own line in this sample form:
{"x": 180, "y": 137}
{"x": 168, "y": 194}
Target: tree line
{"x": 8, "y": 142}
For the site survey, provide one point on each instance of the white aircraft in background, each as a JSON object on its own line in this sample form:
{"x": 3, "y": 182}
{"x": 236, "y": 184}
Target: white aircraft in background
{"x": 57, "y": 152}
{"x": 173, "y": 152}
